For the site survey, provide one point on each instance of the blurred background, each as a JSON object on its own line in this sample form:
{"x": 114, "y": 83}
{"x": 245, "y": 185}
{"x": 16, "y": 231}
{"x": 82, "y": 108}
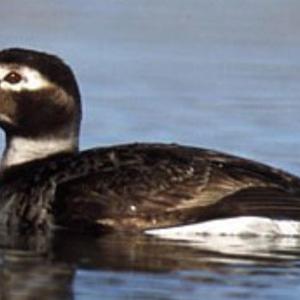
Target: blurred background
{"x": 210, "y": 73}
{"x": 217, "y": 74}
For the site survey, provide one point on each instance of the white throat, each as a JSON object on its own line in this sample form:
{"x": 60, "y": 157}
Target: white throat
{"x": 22, "y": 150}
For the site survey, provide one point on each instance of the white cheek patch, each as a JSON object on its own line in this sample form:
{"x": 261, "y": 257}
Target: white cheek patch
{"x": 32, "y": 79}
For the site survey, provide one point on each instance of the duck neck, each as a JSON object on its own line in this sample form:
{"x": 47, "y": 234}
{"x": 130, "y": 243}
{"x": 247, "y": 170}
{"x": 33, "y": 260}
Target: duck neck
{"x": 20, "y": 150}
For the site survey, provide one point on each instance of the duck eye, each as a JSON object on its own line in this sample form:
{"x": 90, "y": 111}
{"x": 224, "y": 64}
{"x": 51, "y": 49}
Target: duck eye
{"x": 13, "y": 77}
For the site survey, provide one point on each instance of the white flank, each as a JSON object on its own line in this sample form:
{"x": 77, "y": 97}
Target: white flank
{"x": 23, "y": 150}
{"x": 238, "y": 226}
{"x": 32, "y": 80}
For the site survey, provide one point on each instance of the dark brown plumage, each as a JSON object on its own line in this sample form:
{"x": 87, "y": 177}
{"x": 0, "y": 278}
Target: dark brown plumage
{"x": 127, "y": 187}
{"x": 142, "y": 186}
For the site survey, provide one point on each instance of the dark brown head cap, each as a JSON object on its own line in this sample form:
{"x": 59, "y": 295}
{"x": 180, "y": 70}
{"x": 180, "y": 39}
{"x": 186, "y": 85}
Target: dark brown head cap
{"x": 50, "y": 66}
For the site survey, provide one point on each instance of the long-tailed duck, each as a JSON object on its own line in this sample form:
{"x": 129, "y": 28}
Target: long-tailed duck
{"x": 155, "y": 188}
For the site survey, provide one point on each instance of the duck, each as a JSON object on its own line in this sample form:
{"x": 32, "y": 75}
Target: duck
{"x": 155, "y": 188}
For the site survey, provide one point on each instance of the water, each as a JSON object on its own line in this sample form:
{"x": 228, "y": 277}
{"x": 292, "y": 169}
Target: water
{"x": 139, "y": 267}
{"x": 219, "y": 74}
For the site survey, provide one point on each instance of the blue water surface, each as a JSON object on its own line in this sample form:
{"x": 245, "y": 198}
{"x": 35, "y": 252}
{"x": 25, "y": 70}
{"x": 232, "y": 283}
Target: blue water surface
{"x": 217, "y": 74}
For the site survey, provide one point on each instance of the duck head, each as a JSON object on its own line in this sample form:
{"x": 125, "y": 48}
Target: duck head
{"x": 40, "y": 110}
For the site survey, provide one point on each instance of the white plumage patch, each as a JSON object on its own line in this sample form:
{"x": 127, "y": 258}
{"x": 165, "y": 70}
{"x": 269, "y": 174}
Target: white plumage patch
{"x": 32, "y": 80}
{"x": 22, "y": 150}
{"x": 6, "y": 119}
{"x": 242, "y": 226}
